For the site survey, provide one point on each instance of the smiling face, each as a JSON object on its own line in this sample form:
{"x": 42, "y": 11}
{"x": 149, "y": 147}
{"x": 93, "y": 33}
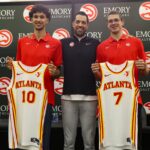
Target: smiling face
{"x": 80, "y": 25}
{"x": 115, "y": 23}
{"x": 39, "y": 21}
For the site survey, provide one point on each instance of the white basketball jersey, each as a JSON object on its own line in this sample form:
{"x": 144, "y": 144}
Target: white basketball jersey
{"x": 117, "y": 98}
{"x": 27, "y": 104}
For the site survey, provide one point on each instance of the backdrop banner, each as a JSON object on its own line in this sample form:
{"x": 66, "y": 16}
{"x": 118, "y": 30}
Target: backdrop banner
{"x": 15, "y": 23}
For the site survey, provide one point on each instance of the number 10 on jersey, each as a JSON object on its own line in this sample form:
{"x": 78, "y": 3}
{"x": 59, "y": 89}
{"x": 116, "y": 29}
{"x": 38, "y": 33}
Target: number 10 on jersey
{"x": 28, "y": 96}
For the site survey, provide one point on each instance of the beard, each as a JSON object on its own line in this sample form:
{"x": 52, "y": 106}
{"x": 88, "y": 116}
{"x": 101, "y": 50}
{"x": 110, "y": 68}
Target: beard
{"x": 80, "y": 33}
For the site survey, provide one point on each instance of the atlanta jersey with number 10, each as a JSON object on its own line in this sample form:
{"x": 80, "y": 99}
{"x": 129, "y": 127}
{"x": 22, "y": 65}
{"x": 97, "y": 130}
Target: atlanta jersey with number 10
{"x": 117, "y": 98}
{"x": 27, "y": 102}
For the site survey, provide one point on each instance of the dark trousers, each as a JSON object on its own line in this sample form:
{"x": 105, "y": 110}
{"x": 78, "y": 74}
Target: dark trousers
{"x": 139, "y": 127}
{"x": 47, "y": 128}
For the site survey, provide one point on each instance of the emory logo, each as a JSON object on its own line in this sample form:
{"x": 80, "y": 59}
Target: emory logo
{"x": 58, "y": 85}
{"x": 144, "y": 35}
{"x": 123, "y": 10}
{"x": 144, "y": 11}
{"x": 4, "y": 83}
{"x": 3, "y": 61}
{"x": 60, "y": 33}
{"x": 90, "y": 10}
{"x": 6, "y": 38}
{"x": 7, "y": 14}
{"x": 97, "y": 35}
{"x": 60, "y": 12}
{"x": 26, "y": 13}
{"x": 20, "y": 35}
{"x": 147, "y": 107}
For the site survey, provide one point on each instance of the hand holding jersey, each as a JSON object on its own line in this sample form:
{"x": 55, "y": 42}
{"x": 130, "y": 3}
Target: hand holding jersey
{"x": 95, "y": 69}
{"x": 9, "y": 62}
{"x": 53, "y": 70}
{"x": 140, "y": 64}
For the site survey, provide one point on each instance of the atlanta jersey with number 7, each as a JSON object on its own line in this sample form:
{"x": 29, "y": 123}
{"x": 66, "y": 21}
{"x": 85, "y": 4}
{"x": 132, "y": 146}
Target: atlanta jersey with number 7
{"x": 117, "y": 99}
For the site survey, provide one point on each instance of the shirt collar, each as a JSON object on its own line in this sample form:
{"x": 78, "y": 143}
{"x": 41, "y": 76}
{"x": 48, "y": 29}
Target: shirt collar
{"x": 45, "y": 38}
{"x": 79, "y": 39}
{"x": 123, "y": 37}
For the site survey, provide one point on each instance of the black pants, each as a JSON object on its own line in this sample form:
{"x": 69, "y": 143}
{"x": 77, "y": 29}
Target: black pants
{"x": 47, "y": 128}
{"x": 139, "y": 127}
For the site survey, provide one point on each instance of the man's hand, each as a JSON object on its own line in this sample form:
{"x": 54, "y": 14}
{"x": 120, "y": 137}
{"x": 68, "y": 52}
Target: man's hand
{"x": 53, "y": 70}
{"x": 96, "y": 70}
{"x": 9, "y": 62}
{"x": 142, "y": 66}
{"x": 95, "y": 67}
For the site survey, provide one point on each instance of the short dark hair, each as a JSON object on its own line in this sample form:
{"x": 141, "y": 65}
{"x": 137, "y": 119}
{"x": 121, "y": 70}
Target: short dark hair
{"x": 40, "y": 8}
{"x": 115, "y": 13}
{"x": 82, "y": 13}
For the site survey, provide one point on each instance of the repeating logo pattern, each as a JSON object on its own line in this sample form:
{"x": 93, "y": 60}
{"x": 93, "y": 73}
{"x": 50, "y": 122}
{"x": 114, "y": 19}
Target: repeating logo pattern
{"x": 59, "y": 13}
{"x": 6, "y": 38}
{"x": 4, "y": 83}
{"x": 61, "y": 33}
{"x": 147, "y": 107}
{"x": 144, "y": 11}
{"x": 90, "y": 10}
{"x": 26, "y": 13}
{"x": 58, "y": 85}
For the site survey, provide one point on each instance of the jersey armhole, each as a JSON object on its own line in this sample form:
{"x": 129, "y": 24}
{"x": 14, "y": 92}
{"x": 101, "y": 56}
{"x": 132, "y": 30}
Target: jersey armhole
{"x": 13, "y": 77}
{"x": 45, "y": 77}
{"x": 101, "y": 74}
{"x": 135, "y": 75}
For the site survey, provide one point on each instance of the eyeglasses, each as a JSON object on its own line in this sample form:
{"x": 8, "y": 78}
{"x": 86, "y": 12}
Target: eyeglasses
{"x": 113, "y": 20}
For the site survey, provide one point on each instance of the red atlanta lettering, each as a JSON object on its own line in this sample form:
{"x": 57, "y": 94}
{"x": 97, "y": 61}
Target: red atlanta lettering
{"x": 28, "y": 83}
{"x": 117, "y": 84}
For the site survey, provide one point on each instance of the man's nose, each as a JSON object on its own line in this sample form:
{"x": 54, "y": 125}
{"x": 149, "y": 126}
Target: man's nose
{"x": 38, "y": 18}
{"x": 80, "y": 24}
